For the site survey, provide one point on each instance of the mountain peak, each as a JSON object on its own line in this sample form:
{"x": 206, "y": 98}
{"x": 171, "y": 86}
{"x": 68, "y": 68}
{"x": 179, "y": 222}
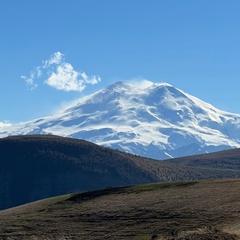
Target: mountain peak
{"x": 116, "y": 84}
{"x": 162, "y": 84}
{"x": 150, "y": 119}
{"x": 138, "y": 84}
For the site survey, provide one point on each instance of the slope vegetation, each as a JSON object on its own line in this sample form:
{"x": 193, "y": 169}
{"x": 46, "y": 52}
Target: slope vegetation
{"x": 225, "y": 160}
{"x": 39, "y": 166}
{"x": 205, "y": 210}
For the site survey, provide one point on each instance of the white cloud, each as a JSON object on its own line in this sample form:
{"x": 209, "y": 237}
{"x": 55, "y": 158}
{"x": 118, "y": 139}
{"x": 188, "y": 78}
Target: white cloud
{"x": 67, "y": 79}
{"x": 60, "y": 75}
{"x": 30, "y": 80}
{"x": 56, "y": 58}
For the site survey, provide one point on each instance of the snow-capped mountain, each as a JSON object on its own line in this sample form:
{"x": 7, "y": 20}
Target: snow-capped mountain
{"x": 157, "y": 121}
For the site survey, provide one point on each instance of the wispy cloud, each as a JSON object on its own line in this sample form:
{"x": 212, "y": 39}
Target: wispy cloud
{"x": 30, "y": 80}
{"x": 141, "y": 83}
{"x": 60, "y": 75}
{"x": 56, "y": 59}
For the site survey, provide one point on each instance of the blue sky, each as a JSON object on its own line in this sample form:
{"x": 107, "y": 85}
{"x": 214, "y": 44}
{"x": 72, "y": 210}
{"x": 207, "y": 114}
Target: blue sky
{"x": 193, "y": 45}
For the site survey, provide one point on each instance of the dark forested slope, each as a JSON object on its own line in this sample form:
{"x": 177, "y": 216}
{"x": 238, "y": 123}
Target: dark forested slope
{"x": 39, "y": 166}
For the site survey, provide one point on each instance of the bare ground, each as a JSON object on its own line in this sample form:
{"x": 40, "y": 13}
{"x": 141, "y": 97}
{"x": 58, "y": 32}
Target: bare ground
{"x": 173, "y": 211}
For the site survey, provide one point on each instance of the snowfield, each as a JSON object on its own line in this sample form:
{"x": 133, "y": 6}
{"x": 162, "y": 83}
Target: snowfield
{"x": 157, "y": 121}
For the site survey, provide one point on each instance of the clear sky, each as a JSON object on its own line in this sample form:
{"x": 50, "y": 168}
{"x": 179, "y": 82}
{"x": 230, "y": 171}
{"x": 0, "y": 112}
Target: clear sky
{"x": 54, "y": 51}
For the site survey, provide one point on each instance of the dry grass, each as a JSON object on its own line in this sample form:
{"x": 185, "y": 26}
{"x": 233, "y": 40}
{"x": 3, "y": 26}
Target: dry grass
{"x": 174, "y": 211}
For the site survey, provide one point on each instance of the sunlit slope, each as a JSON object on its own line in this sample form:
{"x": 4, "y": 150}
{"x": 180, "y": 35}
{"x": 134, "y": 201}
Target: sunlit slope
{"x": 177, "y": 210}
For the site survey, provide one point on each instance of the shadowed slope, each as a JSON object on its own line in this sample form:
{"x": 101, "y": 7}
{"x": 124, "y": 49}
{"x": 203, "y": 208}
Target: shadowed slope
{"x": 35, "y": 167}
{"x": 39, "y": 166}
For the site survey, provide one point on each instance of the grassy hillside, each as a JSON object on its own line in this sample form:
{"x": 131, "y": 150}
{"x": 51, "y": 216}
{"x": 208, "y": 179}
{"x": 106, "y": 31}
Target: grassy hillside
{"x": 225, "y": 160}
{"x": 205, "y": 210}
{"x": 40, "y": 166}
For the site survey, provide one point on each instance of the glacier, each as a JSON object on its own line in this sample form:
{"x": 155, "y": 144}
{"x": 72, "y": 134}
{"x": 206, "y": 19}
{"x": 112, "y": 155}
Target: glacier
{"x": 157, "y": 121}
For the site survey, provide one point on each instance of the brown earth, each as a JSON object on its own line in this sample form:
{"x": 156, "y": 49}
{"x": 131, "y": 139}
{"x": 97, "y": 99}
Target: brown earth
{"x": 205, "y": 210}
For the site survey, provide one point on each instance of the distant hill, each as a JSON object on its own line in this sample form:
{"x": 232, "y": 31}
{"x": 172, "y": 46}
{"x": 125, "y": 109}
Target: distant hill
{"x": 156, "y": 120}
{"x": 192, "y": 210}
{"x": 225, "y": 160}
{"x": 39, "y": 166}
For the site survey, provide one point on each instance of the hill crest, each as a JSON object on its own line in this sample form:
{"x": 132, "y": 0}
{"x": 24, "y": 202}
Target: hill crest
{"x": 39, "y": 166}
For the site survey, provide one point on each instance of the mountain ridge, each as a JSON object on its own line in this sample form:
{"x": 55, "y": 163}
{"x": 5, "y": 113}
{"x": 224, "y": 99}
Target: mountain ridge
{"x": 157, "y": 121}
